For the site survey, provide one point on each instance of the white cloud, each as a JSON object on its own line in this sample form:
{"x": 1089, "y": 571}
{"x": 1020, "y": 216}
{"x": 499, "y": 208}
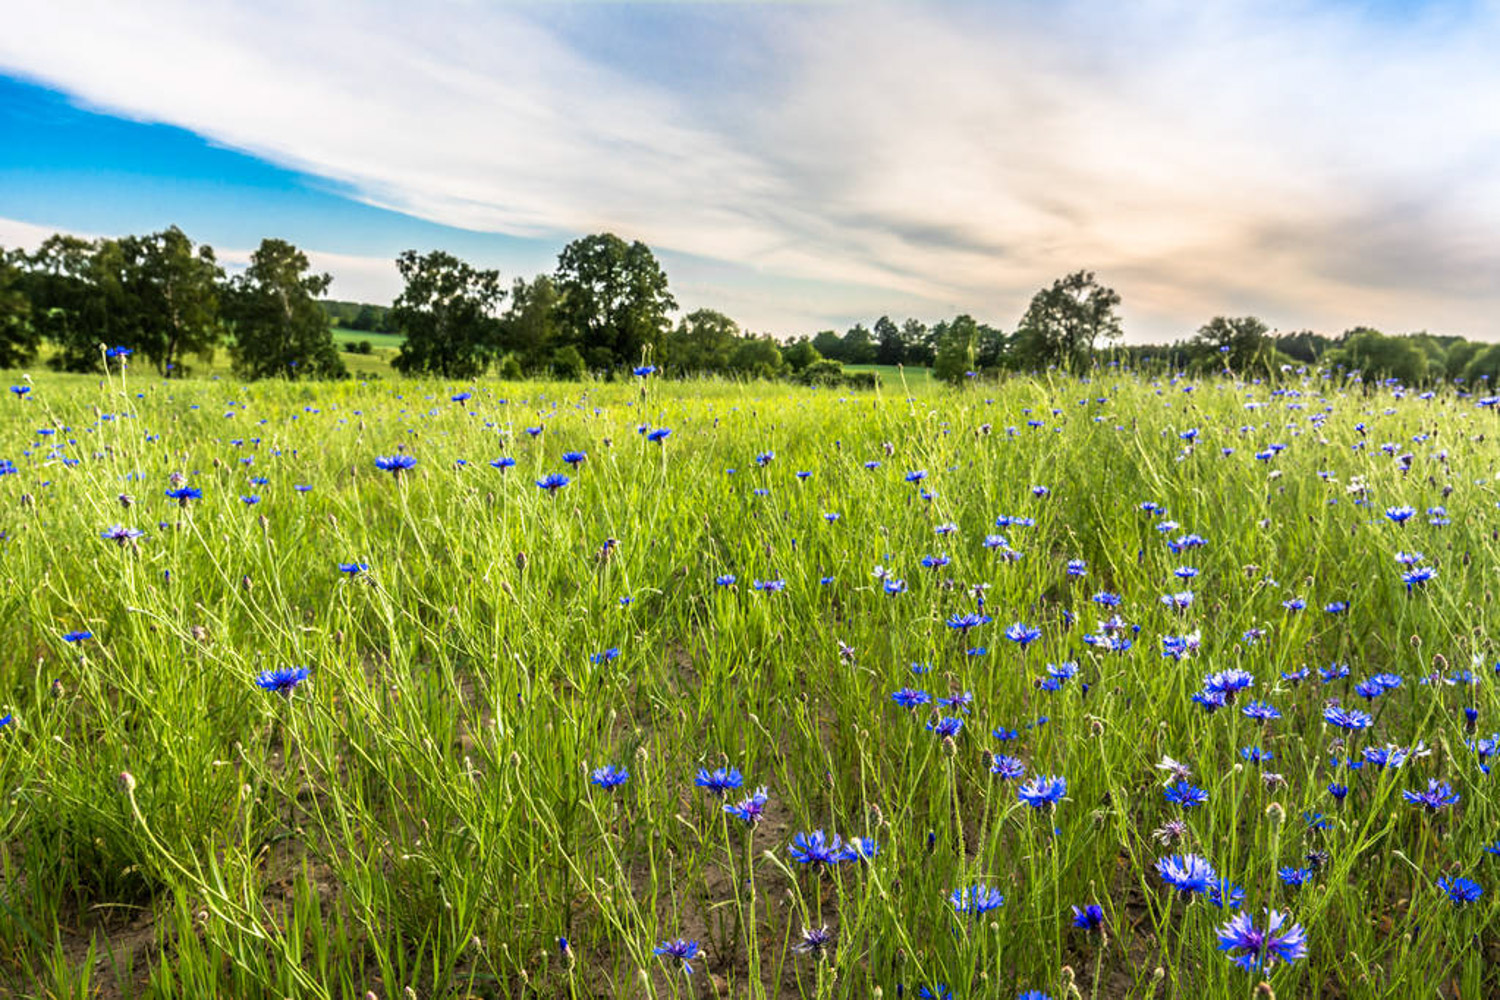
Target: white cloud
{"x": 1302, "y": 161}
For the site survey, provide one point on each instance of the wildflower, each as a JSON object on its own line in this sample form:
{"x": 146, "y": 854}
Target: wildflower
{"x": 968, "y": 620}
{"x": 815, "y": 850}
{"x": 395, "y": 464}
{"x": 281, "y": 681}
{"x": 1043, "y": 791}
{"x": 642, "y": 371}
{"x": 183, "y": 494}
{"x": 719, "y": 781}
{"x": 1187, "y": 873}
{"x": 77, "y": 636}
{"x": 553, "y": 481}
{"x": 575, "y": 458}
{"x": 1089, "y": 918}
{"x": 860, "y": 849}
{"x": 751, "y": 810}
{"x": 1461, "y": 890}
{"x": 1022, "y": 634}
{"x": 976, "y": 900}
{"x": 1400, "y": 515}
{"x": 1185, "y": 795}
{"x": 1417, "y": 577}
{"x": 1178, "y": 770}
{"x": 911, "y": 697}
{"x": 1077, "y": 567}
{"x": 121, "y": 534}
{"x": 1170, "y": 832}
{"x": 503, "y": 462}
{"x": 1261, "y": 950}
{"x": 1351, "y": 719}
{"x": 769, "y": 586}
{"x": 1260, "y": 711}
{"x": 659, "y": 435}
{"x": 1437, "y": 795}
{"x": 814, "y": 942}
{"x": 683, "y": 951}
{"x": 1226, "y": 895}
{"x": 353, "y": 568}
{"x": 946, "y": 726}
{"x": 725, "y": 580}
{"x": 609, "y": 776}
{"x": 1294, "y": 877}
{"x": 605, "y": 656}
{"x": 1006, "y": 766}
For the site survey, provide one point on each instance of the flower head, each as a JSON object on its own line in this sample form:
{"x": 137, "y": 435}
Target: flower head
{"x": 1260, "y": 950}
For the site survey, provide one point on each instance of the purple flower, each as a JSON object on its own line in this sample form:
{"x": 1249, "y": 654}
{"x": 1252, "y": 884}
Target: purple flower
{"x": 1260, "y": 950}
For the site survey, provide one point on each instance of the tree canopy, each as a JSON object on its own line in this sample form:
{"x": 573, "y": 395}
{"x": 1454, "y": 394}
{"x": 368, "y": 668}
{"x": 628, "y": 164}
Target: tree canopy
{"x": 447, "y": 311}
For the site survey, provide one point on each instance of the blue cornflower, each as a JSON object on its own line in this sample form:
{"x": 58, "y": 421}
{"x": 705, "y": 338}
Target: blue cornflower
{"x": 1088, "y": 918}
{"x": 683, "y": 951}
{"x": 1336, "y": 607}
{"x": 1294, "y": 877}
{"x": 1178, "y": 602}
{"x": 751, "y": 810}
{"x": 1033, "y": 995}
{"x": 1187, "y": 873}
{"x": 575, "y": 458}
{"x": 185, "y": 493}
{"x": 642, "y": 371}
{"x": 938, "y": 991}
{"x": 1261, "y": 711}
{"x": 769, "y": 586}
{"x": 816, "y": 850}
{"x": 1256, "y": 755}
{"x": 1338, "y": 791}
{"x": 1022, "y": 634}
{"x": 911, "y": 697}
{"x": 605, "y": 656}
{"x": 503, "y": 462}
{"x": 1106, "y": 599}
{"x": 1228, "y": 682}
{"x": 719, "y": 781}
{"x": 1043, "y": 791}
{"x": 1185, "y": 795}
{"x": 353, "y": 568}
{"x": 860, "y": 849}
{"x": 121, "y": 534}
{"x": 1260, "y": 950}
{"x": 1351, "y": 719}
{"x": 1461, "y": 890}
{"x": 1226, "y": 895}
{"x": 946, "y": 725}
{"x": 77, "y": 636}
{"x": 1400, "y": 515}
{"x": 281, "y": 681}
{"x": 553, "y": 481}
{"x": 916, "y": 476}
{"x": 1007, "y": 767}
{"x": 893, "y": 586}
{"x": 1077, "y": 567}
{"x": 1437, "y": 795}
{"x": 1417, "y": 576}
{"x": 249, "y": 500}
{"x": 659, "y": 435}
{"x": 959, "y": 702}
{"x": 976, "y": 900}
{"x": 395, "y": 464}
{"x": 725, "y": 580}
{"x": 968, "y": 620}
{"x": 609, "y": 776}
{"x": 5, "y": 720}
{"x": 535, "y": 431}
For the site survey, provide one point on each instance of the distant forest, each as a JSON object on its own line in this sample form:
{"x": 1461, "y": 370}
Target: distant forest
{"x": 606, "y": 309}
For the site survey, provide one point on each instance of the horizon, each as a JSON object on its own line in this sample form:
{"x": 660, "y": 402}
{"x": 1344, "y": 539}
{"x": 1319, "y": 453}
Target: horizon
{"x": 800, "y": 167}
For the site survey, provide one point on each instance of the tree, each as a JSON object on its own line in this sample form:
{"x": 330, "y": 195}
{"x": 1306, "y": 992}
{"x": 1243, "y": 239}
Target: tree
{"x": 531, "y": 328}
{"x": 799, "y": 354}
{"x": 989, "y": 346}
{"x": 447, "y": 311}
{"x": 955, "y": 352}
{"x": 703, "y": 343}
{"x": 171, "y": 296}
{"x": 918, "y": 343}
{"x": 19, "y": 339}
{"x": 829, "y": 345}
{"x": 890, "y": 349}
{"x": 1456, "y": 361}
{"x": 1376, "y": 356}
{"x": 76, "y": 300}
{"x": 859, "y": 346}
{"x": 1239, "y": 343}
{"x": 615, "y": 298}
{"x": 279, "y": 329}
{"x": 756, "y": 357}
{"x": 1065, "y": 322}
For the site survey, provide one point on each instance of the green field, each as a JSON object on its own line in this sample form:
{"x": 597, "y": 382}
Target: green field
{"x": 772, "y": 596}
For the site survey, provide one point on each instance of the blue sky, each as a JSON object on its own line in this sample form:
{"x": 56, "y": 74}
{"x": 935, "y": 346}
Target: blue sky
{"x": 798, "y": 165}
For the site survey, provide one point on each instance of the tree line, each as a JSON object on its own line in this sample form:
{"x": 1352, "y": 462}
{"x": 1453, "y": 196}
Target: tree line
{"x": 607, "y": 307}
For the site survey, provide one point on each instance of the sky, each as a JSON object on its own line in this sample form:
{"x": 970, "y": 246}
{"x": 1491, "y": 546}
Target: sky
{"x": 798, "y": 165}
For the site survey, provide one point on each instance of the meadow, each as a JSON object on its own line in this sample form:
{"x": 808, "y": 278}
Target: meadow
{"x": 1113, "y": 687}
